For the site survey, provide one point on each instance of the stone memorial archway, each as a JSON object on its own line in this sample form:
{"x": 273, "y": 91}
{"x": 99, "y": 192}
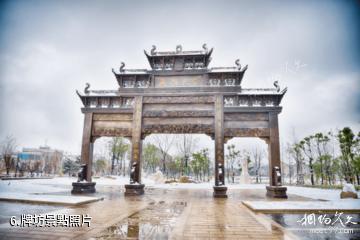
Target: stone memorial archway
{"x": 180, "y": 94}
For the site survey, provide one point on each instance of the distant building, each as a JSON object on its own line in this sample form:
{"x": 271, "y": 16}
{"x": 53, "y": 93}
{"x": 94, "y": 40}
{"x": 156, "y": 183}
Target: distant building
{"x": 40, "y": 160}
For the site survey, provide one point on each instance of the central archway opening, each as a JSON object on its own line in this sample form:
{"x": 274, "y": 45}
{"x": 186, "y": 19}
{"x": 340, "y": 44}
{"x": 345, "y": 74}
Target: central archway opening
{"x": 246, "y": 161}
{"x": 178, "y": 158}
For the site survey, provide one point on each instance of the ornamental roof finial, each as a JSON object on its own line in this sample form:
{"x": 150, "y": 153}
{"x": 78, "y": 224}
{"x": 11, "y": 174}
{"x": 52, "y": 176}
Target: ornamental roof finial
{"x": 237, "y": 63}
{"x": 86, "y": 90}
{"x": 205, "y": 47}
{"x": 277, "y": 86}
{"x": 153, "y": 50}
{"x": 178, "y": 48}
{"x": 122, "y": 65}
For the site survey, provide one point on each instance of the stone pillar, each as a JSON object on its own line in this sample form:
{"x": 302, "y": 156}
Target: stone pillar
{"x": 219, "y": 188}
{"x": 135, "y": 187}
{"x": 86, "y": 157}
{"x": 274, "y": 189}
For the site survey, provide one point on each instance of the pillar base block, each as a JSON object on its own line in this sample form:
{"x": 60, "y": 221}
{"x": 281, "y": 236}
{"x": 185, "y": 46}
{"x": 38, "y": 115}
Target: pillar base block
{"x": 83, "y": 187}
{"x": 134, "y": 189}
{"x": 220, "y": 192}
{"x": 276, "y": 192}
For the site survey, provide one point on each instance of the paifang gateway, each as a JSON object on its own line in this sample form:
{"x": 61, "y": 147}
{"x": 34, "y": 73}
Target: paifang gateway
{"x": 181, "y": 94}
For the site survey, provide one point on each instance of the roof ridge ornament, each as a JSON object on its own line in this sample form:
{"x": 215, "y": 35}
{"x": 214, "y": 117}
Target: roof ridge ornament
{"x": 277, "y": 86}
{"x": 153, "y": 50}
{"x": 178, "y": 48}
{"x": 204, "y": 46}
{"x": 122, "y": 65}
{"x": 237, "y": 63}
{"x": 86, "y": 90}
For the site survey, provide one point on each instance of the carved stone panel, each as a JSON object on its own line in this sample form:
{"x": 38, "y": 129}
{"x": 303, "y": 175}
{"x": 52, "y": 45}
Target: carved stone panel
{"x": 185, "y": 114}
{"x": 178, "y": 121}
{"x": 112, "y": 117}
{"x": 246, "y": 116}
{"x": 112, "y": 128}
{"x": 178, "y": 107}
{"x": 246, "y": 132}
{"x": 177, "y": 99}
{"x": 180, "y": 81}
{"x": 246, "y": 124}
{"x": 178, "y": 128}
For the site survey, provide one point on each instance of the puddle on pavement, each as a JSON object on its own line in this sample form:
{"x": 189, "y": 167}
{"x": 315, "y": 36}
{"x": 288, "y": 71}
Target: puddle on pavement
{"x": 320, "y": 227}
{"x": 154, "y": 222}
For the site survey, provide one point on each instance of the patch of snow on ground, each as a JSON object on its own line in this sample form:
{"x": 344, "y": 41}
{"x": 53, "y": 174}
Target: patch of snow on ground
{"x": 345, "y": 204}
{"x": 62, "y": 184}
{"x": 315, "y": 193}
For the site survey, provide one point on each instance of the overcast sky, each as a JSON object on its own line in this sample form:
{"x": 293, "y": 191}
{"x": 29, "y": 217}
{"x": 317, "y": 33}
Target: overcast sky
{"x": 48, "y": 49}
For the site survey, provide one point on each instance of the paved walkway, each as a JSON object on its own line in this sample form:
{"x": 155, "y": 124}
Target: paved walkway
{"x": 164, "y": 214}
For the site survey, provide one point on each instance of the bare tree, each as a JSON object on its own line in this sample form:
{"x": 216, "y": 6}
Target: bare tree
{"x": 231, "y": 158}
{"x": 8, "y": 147}
{"x": 164, "y": 143}
{"x": 295, "y": 152}
{"x": 257, "y": 155}
{"x": 186, "y": 144}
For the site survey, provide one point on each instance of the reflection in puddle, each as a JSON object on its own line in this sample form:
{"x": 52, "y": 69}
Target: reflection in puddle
{"x": 154, "y": 222}
{"x": 322, "y": 226}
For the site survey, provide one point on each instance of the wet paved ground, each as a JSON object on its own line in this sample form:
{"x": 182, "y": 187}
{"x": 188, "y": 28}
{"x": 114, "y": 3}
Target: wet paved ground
{"x": 162, "y": 214}
{"x": 166, "y": 214}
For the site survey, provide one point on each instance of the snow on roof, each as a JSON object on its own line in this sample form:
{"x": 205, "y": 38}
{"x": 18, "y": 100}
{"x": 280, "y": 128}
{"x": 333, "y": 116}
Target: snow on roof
{"x": 133, "y": 71}
{"x": 266, "y": 91}
{"x": 224, "y": 69}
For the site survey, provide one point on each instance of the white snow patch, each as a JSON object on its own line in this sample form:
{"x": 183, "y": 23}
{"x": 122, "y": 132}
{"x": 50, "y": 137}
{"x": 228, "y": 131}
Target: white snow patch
{"x": 345, "y": 204}
{"x": 315, "y": 193}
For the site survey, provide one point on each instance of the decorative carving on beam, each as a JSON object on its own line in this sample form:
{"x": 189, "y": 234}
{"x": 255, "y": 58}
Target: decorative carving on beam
{"x": 128, "y": 83}
{"x": 192, "y": 99}
{"x": 229, "y": 101}
{"x": 128, "y": 102}
{"x": 112, "y": 132}
{"x": 108, "y": 102}
{"x": 178, "y": 113}
{"x": 246, "y": 132}
{"x": 112, "y": 117}
{"x": 214, "y": 82}
{"x": 225, "y": 79}
{"x": 252, "y": 100}
{"x": 177, "y": 128}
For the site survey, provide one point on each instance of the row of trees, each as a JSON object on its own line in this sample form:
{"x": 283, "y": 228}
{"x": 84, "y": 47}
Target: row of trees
{"x": 327, "y": 158}
{"x": 321, "y": 158}
{"x": 156, "y": 155}
{"x": 187, "y": 161}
